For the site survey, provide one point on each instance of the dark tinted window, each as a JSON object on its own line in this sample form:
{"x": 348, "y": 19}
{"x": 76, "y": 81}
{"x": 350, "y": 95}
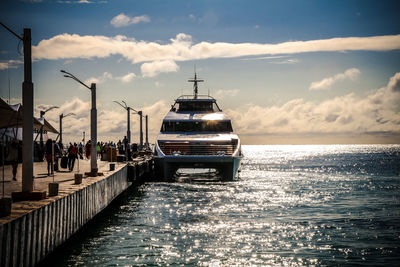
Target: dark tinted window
{"x": 205, "y": 106}
{"x": 197, "y": 126}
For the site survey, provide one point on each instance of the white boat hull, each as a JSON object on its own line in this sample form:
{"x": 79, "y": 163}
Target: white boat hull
{"x": 227, "y": 166}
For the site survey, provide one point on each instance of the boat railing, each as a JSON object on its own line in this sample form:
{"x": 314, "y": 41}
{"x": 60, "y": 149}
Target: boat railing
{"x": 193, "y": 149}
{"x": 199, "y": 97}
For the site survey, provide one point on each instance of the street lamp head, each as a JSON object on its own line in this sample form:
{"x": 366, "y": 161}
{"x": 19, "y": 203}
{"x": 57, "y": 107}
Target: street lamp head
{"x": 69, "y": 75}
{"x": 42, "y": 112}
{"x": 125, "y": 107}
{"x": 70, "y": 114}
{"x": 50, "y": 108}
{"x": 66, "y": 115}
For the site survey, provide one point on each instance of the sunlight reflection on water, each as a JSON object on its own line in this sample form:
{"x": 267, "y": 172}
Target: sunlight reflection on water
{"x": 293, "y": 205}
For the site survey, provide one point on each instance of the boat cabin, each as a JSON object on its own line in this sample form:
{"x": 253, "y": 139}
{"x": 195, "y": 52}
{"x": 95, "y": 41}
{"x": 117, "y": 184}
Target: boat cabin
{"x": 185, "y": 104}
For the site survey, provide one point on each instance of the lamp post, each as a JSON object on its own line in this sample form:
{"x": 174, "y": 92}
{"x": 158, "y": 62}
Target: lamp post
{"x": 128, "y": 126}
{"x": 42, "y": 112}
{"x": 141, "y": 129}
{"x": 27, "y": 103}
{"x": 147, "y": 131}
{"x": 93, "y": 123}
{"x": 140, "y": 113}
{"x": 61, "y": 118}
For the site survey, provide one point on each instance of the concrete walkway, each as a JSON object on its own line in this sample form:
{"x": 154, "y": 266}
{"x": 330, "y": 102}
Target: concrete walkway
{"x": 41, "y": 180}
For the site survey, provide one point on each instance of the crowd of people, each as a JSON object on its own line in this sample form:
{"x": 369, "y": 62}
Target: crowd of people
{"x": 54, "y": 151}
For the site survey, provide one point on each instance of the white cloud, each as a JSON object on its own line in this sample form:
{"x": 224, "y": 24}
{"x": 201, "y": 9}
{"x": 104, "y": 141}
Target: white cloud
{"x": 10, "y": 64}
{"x": 226, "y": 93}
{"x": 287, "y": 61}
{"x": 152, "y": 69}
{"x": 263, "y": 58}
{"x": 192, "y": 17}
{"x": 394, "y": 83}
{"x": 181, "y": 48}
{"x": 375, "y": 113}
{"x": 98, "y": 80}
{"x": 68, "y": 61}
{"x": 127, "y": 78}
{"x": 326, "y": 83}
{"x": 123, "y": 20}
{"x": 106, "y": 76}
{"x": 78, "y": 2}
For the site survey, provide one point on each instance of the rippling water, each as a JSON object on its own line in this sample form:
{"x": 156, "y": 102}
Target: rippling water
{"x": 293, "y": 205}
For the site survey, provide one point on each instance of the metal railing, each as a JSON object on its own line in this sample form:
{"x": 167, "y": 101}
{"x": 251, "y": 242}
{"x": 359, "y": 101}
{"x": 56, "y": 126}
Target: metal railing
{"x": 199, "y": 97}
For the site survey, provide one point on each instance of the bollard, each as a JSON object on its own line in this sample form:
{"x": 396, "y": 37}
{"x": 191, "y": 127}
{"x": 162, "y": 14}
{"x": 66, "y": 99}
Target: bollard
{"x": 78, "y": 178}
{"x": 5, "y": 206}
{"x": 93, "y": 172}
{"x": 53, "y": 189}
{"x": 112, "y": 166}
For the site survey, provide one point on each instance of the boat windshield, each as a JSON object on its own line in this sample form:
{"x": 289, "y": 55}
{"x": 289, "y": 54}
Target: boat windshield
{"x": 196, "y": 126}
{"x": 203, "y": 106}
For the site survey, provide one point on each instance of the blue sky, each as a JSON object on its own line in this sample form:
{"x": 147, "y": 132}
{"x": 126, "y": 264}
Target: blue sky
{"x": 285, "y": 71}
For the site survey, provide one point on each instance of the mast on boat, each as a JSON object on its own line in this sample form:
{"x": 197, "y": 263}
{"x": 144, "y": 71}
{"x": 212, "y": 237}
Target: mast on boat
{"x": 195, "y": 81}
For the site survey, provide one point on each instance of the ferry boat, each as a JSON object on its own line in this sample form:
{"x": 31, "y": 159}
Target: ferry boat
{"x": 196, "y": 133}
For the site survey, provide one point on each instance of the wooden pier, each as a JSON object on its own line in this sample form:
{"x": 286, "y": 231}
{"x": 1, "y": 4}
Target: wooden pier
{"x": 35, "y": 228}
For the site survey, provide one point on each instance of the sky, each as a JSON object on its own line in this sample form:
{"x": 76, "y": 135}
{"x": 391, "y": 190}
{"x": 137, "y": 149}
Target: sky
{"x": 286, "y": 72}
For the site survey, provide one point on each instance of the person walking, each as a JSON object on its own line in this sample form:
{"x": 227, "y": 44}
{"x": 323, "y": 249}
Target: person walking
{"x": 61, "y": 146}
{"x": 13, "y": 157}
{"x": 72, "y": 155}
{"x": 49, "y": 150}
{"x": 98, "y": 149}
{"x": 88, "y": 149}
{"x": 57, "y": 155}
{"x": 80, "y": 150}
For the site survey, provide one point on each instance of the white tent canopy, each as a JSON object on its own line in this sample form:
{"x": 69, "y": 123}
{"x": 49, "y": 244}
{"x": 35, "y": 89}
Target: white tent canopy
{"x": 11, "y": 116}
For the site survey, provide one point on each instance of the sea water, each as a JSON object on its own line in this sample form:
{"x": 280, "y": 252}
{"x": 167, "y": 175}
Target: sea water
{"x": 292, "y": 205}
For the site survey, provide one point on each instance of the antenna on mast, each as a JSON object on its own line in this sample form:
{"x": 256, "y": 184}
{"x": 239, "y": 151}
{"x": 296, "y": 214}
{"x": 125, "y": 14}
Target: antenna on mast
{"x": 195, "y": 81}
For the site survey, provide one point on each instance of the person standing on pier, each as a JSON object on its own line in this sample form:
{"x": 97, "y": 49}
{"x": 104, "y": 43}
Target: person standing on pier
{"x": 61, "y": 147}
{"x": 88, "y": 149}
{"x": 13, "y": 157}
{"x": 72, "y": 155}
{"x": 80, "y": 150}
{"x": 49, "y": 156}
{"x": 98, "y": 149}
{"x": 57, "y": 154}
